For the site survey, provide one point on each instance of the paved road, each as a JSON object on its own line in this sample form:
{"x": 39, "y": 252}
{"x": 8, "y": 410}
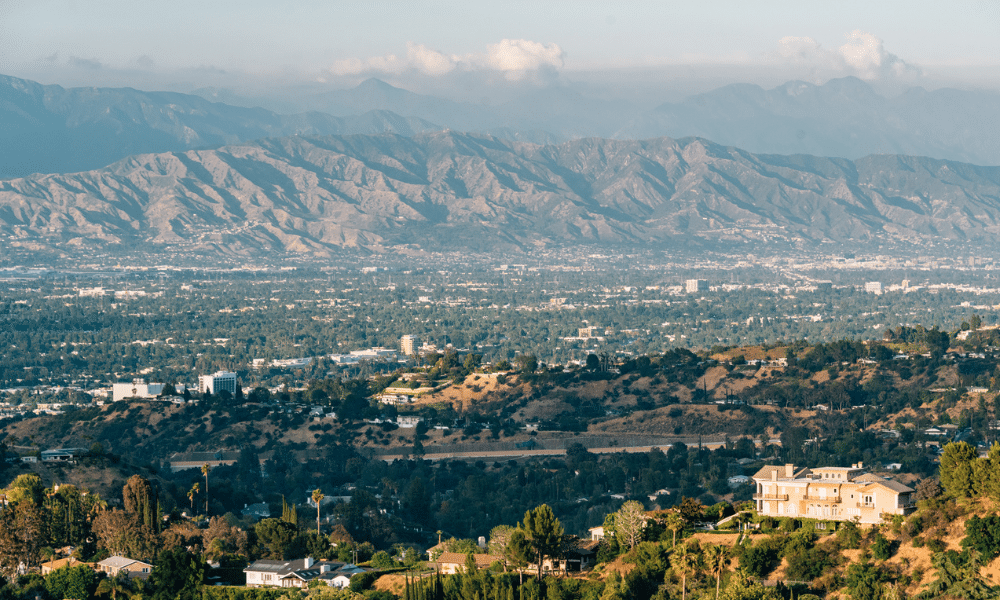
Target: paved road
{"x": 508, "y": 454}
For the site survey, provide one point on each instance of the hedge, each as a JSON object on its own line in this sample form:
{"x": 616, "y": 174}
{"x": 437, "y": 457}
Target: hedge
{"x": 227, "y": 592}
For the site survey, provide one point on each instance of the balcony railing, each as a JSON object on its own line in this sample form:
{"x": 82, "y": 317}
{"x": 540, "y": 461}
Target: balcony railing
{"x": 770, "y": 496}
{"x": 831, "y": 499}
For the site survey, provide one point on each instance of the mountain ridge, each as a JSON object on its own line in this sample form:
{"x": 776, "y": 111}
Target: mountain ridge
{"x": 51, "y": 129}
{"x": 317, "y": 195}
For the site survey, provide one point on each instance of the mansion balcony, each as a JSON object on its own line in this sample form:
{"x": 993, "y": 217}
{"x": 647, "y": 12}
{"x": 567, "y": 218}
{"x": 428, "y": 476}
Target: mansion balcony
{"x": 770, "y": 497}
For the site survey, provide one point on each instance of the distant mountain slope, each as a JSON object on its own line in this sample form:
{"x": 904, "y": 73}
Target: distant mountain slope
{"x": 50, "y": 129}
{"x": 844, "y": 117}
{"x": 448, "y": 190}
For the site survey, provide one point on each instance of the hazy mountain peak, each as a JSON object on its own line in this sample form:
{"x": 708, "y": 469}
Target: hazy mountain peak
{"x": 374, "y": 83}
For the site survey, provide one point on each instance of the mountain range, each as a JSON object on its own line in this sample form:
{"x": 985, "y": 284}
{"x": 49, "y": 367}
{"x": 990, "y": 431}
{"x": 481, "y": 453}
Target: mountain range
{"x": 843, "y": 117}
{"x": 317, "y": 195}
{"x": 51, "y": 129}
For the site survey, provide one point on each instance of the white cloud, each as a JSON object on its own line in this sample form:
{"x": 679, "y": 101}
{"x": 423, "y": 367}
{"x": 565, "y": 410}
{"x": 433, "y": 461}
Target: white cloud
{"x": 512, "y": 57}
{"x": 430, "y": 61}
{"x": 523, "y": 55}
{"x": 866, "y": 54}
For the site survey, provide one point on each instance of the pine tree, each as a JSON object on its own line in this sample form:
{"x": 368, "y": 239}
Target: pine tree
{"x": 159, "y": 515}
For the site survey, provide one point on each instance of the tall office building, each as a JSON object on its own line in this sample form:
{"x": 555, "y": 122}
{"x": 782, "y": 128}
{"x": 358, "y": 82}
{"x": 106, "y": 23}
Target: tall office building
{"x": 217, "y": 382}
{"x": 409, "y": 344}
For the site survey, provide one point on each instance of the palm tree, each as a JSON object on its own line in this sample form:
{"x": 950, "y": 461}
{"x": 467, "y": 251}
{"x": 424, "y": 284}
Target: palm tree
{"x": 675, "y": 522}
{"x": 317, "y": 498}
{"x": 204, "y": 471}
{"x": 114, "y": 585}
{"x": 686, "y": 561}
{"x": 192, "y": 493}
{"x": 717, "y": 559}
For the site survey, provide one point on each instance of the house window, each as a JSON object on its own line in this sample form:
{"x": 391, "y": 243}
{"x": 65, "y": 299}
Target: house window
{"x": 869, "y": 501}
{"x": 821, "y": 525}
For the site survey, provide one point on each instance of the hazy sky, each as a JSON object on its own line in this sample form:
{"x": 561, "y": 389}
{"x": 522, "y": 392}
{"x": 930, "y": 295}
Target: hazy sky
{"x": 189, "y": 42}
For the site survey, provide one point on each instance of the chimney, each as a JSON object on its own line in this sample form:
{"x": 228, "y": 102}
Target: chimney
{"x": 325, "y": 568}
{"x": 774, "y": 474}
{"x": 308, "y": 562}
{"x": 482, "y": 541}
{"x": 789, "y": 471}
{"x": 861, "y": 465}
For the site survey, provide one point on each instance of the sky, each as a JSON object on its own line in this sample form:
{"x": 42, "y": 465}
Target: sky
{"x": 254, "y": 45}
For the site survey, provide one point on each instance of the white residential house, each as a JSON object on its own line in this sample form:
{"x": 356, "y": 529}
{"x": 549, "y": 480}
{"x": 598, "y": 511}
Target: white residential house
{"x": 829, "y": 493}
{"x": 133, "y": 569}
{"x": 341, "y": 578}
{"x": 288, "y": 573}
{"x": 450, "y": 563}
{"x": 408, "y": 422}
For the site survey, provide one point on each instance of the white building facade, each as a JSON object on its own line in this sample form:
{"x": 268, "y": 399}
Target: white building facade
{"x": 137, "y": 389}
{"x": 693, "y": 286}
{"x": 829, "y": 493}
{"x": 217, "y": 382}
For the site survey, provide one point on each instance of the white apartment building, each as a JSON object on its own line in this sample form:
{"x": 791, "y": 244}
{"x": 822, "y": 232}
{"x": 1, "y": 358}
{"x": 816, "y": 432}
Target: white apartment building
{"x": 693, "y": 286}
{"x": 409, "y": 345}
{"x": 217, "y": 382}
{"x": 829, "y": 493}
{"x": 873, "y": 287}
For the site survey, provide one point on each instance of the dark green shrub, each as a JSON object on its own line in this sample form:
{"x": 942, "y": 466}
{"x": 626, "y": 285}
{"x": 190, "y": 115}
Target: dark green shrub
{"x": 759, "y": 559}
{"x": 788, "y": 524}
{"x": 882, "y": 548}
{"x": 983, "y": 536}
{"x": 362, "y": 581}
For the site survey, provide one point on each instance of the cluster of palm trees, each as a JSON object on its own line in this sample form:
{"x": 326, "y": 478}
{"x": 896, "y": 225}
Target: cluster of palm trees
{"x": 690, "y": 559}
{"x": 193, "y": 492}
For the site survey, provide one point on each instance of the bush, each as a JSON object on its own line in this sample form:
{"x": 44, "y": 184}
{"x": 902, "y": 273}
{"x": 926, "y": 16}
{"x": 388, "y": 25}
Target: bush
{"x": 758, "y": 559}
{"x": 240, "y": 593}
{"x": 362, "y": 581}
{"x": 849, "y": 536}
{"x": 983, "y": 536}
{"x": 788, "y": 524}
{"x": 882, "y": 548}
{"x": 382, "y": 560}
{"x": 936, "y": 545}
{"x": 767, "y": 524}
{"x": 809, "y": 564}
